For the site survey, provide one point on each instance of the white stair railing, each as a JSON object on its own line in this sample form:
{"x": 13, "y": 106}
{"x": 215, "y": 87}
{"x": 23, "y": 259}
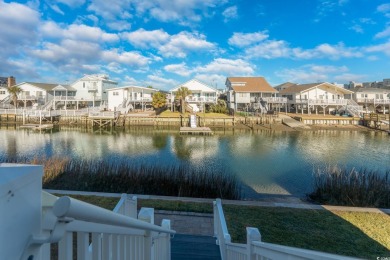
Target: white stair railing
{"x": 255, "y": 248}
{"x": 34, "y": 220}
{"x": 113, "y": 235}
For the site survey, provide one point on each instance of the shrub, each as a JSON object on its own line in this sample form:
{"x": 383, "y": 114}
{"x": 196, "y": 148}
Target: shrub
{"x": 351, "y": 187}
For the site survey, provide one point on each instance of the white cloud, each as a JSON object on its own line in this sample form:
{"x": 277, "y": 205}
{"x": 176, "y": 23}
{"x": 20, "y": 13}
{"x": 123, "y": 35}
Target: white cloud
{"x": 385, "y": 48}
{"x": 119, "y": 25}
{"x": 131, "y": 58}
{"x": 327, "y": 69}
{"x": 184, "y": 12}
{"x": 247, "y": 39}
{"x": 230, "y": 13}
{"x": 315, "y": 73}
{"x": 68, "y": 51}
{"x": 384, "y": 33}
{"x": 18, "y": 25}
{"x": 57, "y": 9}
{"x": 159, "y": 82}
{"x": 115, "y": 67}
{"x": 269, "y": 49}
{"x": 115, "y": 13}
{"x": 346, "y": 77}
{"x": 77, "y": 32}
{"x": 146, "y": 39}
{"x": 179, "y": 69}
{"x": 357, "y": 28}
{"x": 272, "y": 49}
{"x": 301, "y": 75}
{"x": 227, "y": 67}
{"x": 181, "y": 44}
{"x": 383, "y": 8}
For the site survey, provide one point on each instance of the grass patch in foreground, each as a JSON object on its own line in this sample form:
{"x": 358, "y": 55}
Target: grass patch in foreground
{"x": 320, "y": 230}
{"x": 358, "y": 234}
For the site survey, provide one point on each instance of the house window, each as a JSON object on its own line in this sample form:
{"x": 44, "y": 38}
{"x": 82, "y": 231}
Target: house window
{"x": 83, "y": 84}
{"x": 2, "y": 92}
{"x": 115, "y": 93}
{"x": 242, "y": 94}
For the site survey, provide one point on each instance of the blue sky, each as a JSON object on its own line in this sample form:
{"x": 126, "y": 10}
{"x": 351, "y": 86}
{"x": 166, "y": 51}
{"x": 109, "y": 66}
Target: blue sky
{"x": 164, "y": 43}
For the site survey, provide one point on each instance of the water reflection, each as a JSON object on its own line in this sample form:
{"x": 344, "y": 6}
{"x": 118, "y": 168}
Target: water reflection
{"x": 266, "y": 162}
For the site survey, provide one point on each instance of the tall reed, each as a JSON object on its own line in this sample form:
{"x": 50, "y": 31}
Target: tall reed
{"x": 351, "y": 187}
{"x": 127, "y": 177}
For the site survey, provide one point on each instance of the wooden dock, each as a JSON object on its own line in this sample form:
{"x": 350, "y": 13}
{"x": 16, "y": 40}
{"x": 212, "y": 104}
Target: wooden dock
{"x": 195, "y": 131}
{"x": 37, "y": 126}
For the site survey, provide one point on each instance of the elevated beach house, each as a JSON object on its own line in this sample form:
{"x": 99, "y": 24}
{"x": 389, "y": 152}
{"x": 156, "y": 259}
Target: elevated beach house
{"x": 44, "y": 95}
{"x": 127, "y": 98}
{"x": 324, "y": 96}
{"x": 201, "y": 95}
{"x": 92, "y": 89}
{"x": 252, "y": 94}
{"x": 373, "y": 99}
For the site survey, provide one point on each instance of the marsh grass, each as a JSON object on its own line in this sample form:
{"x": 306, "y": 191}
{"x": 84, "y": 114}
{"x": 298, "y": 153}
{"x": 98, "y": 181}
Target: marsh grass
{"x": 126, "y": 177}
{"x": 351, "y": 187}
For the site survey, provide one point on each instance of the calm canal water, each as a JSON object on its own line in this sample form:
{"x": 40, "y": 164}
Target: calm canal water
{"x": 276, "y": 163}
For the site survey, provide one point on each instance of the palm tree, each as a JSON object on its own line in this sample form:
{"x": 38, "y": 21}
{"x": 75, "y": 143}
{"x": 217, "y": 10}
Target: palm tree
{"x": 14, "y": 91}
{"x": 181, "y": 94}
{"x": 159, "y": 101}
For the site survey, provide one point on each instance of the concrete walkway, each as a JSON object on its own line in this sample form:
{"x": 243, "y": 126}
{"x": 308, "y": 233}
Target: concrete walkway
{"x": 290, "y": 202}
{"x": 189, "y": 223}
{"x": 292, "y": 122}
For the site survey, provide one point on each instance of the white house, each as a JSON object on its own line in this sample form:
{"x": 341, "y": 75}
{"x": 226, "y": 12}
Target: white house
{"x": 314, "y": 95}
{"x": 251, "y": 94}
{"x": 373, "y": 99}
{"x": 44, "y": 94}
{"x": 128, "y": 98}
{"x": 201, "y": 94}
{"x": 93, "y": 88}
{"x": 3, "y": 93}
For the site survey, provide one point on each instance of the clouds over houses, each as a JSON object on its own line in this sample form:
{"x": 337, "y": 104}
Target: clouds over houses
{"x": 177, "y": 45}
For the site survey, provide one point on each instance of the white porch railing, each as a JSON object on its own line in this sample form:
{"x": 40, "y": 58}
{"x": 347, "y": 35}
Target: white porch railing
{"x": 254, "y": 248}
{"x": 201, "y": 99}
{"x": 339, "y": 102}
{"x": 35, "y": 219}
{"x": 373, "y": 101}
{"x": 275, "y": 99}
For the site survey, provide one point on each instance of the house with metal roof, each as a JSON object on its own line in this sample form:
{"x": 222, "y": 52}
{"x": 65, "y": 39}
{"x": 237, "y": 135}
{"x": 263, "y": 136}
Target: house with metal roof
{"x": 201, "y": 94}
{"x": 313, "y": 96}
{"x": 252, "y": 94}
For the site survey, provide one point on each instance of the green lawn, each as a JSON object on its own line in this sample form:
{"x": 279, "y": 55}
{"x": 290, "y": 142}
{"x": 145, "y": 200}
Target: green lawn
{"x": 359, "y": 234}
{"x": 168, "y": 113}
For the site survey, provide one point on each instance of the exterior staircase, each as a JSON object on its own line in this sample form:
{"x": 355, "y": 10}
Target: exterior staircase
{"x": 353, "y": 108}
{"x": 191, "y": 247}
{"x": 125, "y": 107}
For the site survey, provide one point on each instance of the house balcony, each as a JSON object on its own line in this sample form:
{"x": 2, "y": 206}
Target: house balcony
{"x": 275, "y": 99}
{"x": 373, "y": 101}
{"x": 335, "y": 102}
{"x": 202, "y": 99}
{"x": 139, "y": 99}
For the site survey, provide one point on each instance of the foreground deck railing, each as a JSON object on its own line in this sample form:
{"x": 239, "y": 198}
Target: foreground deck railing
{"x": 37, "y": 225}
{"x": 255, "y": 248}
